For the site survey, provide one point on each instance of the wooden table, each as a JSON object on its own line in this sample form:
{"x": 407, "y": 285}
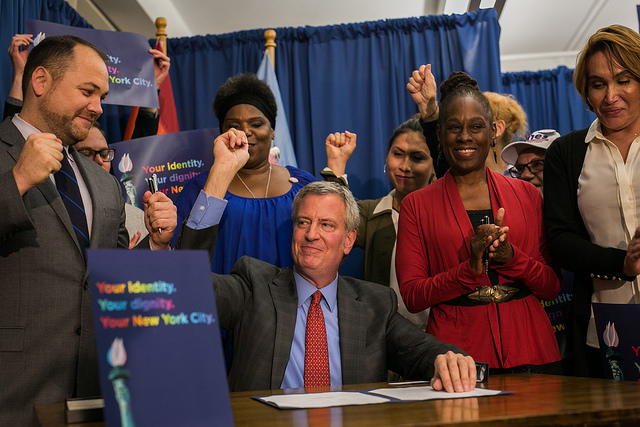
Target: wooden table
{"x": 539, "y": 400}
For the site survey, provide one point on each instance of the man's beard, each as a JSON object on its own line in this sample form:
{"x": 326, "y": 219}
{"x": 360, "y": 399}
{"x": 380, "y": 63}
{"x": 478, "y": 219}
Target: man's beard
{"x": 62, "y": 126}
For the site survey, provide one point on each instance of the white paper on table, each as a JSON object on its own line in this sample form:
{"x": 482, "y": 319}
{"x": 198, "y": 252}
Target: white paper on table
{"x": 321, "y": 400}
{"x": 406, "y": 394}
{"x": 367, "y": 397}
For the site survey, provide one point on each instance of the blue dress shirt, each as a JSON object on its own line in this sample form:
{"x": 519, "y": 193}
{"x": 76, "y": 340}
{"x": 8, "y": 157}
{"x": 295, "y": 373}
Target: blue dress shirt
{"x": 294, "y": 374}
{"x": 206, "y": 211}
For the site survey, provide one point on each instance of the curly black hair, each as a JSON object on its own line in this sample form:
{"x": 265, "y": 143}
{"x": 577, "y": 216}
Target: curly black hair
{"x": 245, "y": 88}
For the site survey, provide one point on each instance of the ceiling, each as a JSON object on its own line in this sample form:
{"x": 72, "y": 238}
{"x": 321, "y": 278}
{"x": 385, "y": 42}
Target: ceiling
{"x": 535, "y": 34}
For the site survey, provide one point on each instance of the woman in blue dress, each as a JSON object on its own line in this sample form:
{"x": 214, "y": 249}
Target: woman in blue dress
{"x": 257, "y": 219}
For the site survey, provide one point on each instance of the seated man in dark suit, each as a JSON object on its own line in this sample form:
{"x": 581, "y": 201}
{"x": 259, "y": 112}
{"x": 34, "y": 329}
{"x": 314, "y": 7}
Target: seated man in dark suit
{"x": 269, "y": 309}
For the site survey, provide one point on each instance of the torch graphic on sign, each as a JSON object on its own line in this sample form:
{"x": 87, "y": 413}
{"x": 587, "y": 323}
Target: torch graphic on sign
{"x": 613, "y": 355}
{"x": 117, "y": 357}
{"x": 126, "y": 166}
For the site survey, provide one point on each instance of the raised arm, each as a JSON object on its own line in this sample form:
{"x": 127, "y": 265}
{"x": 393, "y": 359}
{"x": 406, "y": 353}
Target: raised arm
{"x": 230, "y": 153}
{"x": 422, "y": 88}
{"x": 206, "y": 205}
{"x": 148, "y": 119}
{"x": 339, "y": 147}
{"x": 18, "y": 53}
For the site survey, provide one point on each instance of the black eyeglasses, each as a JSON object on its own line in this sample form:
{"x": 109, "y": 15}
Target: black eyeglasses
{"x": 534, "y": 166}
{"x": 106, "y": 154}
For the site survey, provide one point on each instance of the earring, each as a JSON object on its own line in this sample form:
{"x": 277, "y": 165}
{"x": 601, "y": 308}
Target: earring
{"x": 495, "y": 155}
{"x": 384, "y": 170}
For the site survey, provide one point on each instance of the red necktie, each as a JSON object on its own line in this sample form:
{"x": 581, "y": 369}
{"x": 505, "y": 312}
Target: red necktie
{"x": 316, "y": 355}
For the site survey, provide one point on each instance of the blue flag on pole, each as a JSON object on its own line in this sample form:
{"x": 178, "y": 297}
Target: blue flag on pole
{"x": 282, "y": 139}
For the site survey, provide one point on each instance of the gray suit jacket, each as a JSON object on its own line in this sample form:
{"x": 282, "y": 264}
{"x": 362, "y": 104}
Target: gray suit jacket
{"x": 47, "y": 343}
{"x": 258, "y": 301}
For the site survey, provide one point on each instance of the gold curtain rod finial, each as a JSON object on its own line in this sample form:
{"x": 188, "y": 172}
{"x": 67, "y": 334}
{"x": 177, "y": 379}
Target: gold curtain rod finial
{"x": 161, "y": 26}
{"x": 270, "y": 37}
{"x": 270, "y": 45}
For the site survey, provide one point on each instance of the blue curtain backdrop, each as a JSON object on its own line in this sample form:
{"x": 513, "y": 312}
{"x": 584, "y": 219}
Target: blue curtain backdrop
{"x": 549, "y": 98}
{"x": 333, "y": 78}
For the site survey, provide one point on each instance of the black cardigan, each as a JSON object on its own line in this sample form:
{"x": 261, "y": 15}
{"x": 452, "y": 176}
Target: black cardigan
{"x": 567, "y": 236}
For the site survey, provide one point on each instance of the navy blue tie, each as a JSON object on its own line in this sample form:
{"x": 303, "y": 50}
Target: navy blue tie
{"x": 70, "y": 193}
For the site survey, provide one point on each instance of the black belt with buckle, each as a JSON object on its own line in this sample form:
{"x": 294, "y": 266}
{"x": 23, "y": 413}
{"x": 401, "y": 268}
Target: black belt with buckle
{"x": 487, "y": 294}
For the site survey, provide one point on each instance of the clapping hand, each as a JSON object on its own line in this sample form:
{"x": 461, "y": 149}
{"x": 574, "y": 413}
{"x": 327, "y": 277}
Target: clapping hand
{"x": 500, "y": 250}
{"x": 494, "y": 238}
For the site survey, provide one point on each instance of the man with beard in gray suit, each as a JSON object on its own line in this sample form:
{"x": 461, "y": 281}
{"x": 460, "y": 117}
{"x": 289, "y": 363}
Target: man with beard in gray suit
{"x": 47, "y": 340}
{"x": 266, "y": 307}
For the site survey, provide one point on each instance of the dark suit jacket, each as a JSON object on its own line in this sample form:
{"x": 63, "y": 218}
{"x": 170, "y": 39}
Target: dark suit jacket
{"x": 47, "y": 343}
{"x": 258, "y": 301}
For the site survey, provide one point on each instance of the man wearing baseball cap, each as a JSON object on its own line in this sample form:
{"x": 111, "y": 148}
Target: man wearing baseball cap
{"x": 527, "y": 157}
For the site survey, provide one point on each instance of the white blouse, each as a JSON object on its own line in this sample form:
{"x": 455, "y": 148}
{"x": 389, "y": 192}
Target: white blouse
{"x": 609, "y": 202}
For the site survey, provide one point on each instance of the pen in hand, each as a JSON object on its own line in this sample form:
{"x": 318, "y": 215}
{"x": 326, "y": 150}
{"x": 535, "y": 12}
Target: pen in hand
{"x": 152, "y": 183}
{"x": 153, "y": 187}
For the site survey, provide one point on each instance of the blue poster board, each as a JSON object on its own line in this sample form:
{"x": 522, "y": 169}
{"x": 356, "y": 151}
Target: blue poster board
{"x": 557, "y": 310}
{"x": 619, "y": 337}
{"x": 158, "y": 339}
{"x": 174, "y": 157}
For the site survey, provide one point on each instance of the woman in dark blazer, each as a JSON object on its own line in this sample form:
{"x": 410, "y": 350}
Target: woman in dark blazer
{"x": 592, "y": 182}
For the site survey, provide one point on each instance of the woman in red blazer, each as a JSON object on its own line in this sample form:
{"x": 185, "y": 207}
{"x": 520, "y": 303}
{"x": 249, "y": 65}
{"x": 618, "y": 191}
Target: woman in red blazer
{"x": 471, "y": 246}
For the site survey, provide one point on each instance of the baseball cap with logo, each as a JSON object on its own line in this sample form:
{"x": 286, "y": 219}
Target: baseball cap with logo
{"x": 538, "y": 139}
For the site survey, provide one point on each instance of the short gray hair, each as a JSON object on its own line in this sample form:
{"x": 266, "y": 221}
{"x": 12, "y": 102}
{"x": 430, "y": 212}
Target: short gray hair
{"x": 321, "y": 188}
